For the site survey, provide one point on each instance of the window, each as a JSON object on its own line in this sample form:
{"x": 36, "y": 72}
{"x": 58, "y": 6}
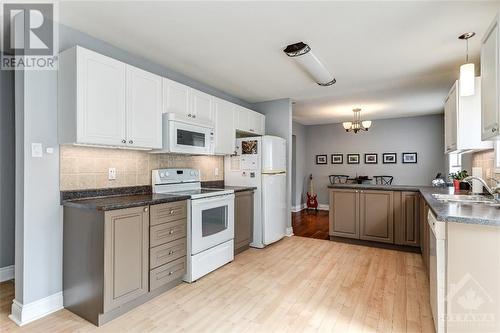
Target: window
{"x": 455, "y": 161}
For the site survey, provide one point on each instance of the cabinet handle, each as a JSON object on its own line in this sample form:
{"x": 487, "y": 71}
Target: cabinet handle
{"x": 170, "y": 252}
{"x": 171, "y": 211}
{"x": 493, "y": 129}
{"x": 131, "y": 141}
{"x": 251, "y": 130}
{"x": 194, "y": 116}
{"x": 171, "y": 231}
{"x": 170, "y": 273}
{"x": 189, "y": 115}
{"x": 146, "y": 209}
{"x": 124, "y": 141}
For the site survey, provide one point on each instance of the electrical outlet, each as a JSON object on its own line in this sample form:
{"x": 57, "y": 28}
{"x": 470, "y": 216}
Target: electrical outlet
{"x": 111, "y": 173}
{"x": 216, "y": 172}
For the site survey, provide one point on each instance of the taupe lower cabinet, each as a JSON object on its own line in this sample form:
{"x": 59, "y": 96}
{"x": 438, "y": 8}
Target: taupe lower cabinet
{"x": 116, "y": 260}
{"x": 375, "y": 215}
{"x": 243, "y": 220}
{"x": 126, "y": 251}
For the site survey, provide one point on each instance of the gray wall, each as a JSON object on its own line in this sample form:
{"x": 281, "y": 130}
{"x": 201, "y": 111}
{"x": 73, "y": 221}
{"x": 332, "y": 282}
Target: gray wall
{"x": 7, "y": 167}
{"x": 279, "y": 122}
{"x": 300, "y": 181}
{"x": 423, "y": 135}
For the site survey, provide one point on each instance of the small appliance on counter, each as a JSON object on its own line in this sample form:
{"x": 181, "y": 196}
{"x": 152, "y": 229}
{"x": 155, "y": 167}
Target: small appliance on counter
{"x": 261, "y": 162}
{"x": 210, "y": 229}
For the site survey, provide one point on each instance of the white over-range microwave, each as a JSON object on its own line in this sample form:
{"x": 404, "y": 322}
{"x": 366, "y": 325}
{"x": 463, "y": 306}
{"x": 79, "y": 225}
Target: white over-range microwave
{"x": 183, "y": 137}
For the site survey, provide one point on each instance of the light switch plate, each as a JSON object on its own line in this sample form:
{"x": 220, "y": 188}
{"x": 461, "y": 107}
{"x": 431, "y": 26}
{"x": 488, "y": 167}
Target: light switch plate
{"x": 36, "y": 150}
{"x": 111, "y": 173}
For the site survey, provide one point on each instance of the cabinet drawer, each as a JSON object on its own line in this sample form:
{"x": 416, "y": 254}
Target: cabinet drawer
{"x": 165, "y": 253}
{"x": 167, "y": 232}
{"x": 168, "y": 212}
{"x": 167, "y": 273}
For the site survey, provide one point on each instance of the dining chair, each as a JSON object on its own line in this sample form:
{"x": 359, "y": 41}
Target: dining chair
{"x": 338, "y": 179}
{"x": 383, "y": 180}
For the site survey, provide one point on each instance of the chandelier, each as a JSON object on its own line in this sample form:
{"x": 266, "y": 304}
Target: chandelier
{"x": 357, "y": 124}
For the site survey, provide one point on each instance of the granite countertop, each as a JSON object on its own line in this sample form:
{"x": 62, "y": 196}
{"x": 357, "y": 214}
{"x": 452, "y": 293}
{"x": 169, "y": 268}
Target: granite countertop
{"x": 220, "y": 184}
{"x": 470, "y": 213}
{"x": 116, "y": 198}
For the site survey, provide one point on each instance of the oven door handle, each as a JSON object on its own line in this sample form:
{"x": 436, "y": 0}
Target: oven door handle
{"x": 218, "y": 198}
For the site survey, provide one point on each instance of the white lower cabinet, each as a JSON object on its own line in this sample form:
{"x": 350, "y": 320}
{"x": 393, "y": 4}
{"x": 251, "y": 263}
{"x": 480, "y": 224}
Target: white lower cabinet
{"x": 225, "y": 133}
{"x": 105, "y": 102}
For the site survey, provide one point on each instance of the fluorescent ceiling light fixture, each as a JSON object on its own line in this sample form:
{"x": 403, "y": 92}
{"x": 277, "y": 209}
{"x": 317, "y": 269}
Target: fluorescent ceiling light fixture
{"x": 467, "y": 71}
{"x": 304, "y": 56}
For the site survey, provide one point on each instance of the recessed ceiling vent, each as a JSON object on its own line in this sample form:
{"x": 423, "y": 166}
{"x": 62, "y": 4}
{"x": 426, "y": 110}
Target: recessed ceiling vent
{"x": 302, "y": 53}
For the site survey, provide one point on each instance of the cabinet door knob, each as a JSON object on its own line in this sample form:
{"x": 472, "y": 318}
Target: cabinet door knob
{"x": 170, "y": 252}
{"x": 189, "y": 115}
{"x": 124, "y": 141}
{"x": 170, "y": 273}
{"x": 146, "y": 209}
{"x": 493, "y": 129}
{"x": 194, "y": 116}
{"x": 171, "y": 231}
{"x": 171, "y": 211}
{"x": 131, "y": 141}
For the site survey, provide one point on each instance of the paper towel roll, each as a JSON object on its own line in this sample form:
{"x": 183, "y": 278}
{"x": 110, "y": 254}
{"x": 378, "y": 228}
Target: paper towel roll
{"x": 477, "y": 187}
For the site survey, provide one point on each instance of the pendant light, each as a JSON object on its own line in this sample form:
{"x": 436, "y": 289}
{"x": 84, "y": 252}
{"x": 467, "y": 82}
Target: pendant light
{"x": 467, "y": 70}
{"x": 357, "y": 124}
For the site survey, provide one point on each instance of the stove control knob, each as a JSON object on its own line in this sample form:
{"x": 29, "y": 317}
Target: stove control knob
{"x": 166, "y": 174}
{"x": 161, "y": 174}
{"x": 193, "y": 173}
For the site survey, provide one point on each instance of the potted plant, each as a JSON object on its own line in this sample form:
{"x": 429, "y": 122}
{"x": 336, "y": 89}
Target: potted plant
{"x": 457, "y": 178}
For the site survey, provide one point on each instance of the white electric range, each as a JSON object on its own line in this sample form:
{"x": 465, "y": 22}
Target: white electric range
{"x": 210, "y": 229}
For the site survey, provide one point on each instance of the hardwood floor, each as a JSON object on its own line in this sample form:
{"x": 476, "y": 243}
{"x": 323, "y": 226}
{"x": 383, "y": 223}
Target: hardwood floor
{"x": 310, "y": 223}
{"x": 298, "y": 284}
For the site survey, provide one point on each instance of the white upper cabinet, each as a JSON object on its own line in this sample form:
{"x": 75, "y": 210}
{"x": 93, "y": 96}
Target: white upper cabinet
{"x": 102, "y": 101}
{"x": 225, "y": 133}
{"x": 489, "y": 76}
{"x": 144, "y": 108}
{"x": 175, "y": 98}
{"x": 187, "y": 103}
{"x": 463, "y": 121}
{"x": 201, "y": 106}
{"x": 99, "y": 99}
{"x": 250, "y": 121}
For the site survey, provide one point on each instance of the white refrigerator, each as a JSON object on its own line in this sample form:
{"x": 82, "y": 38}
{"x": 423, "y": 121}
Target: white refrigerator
{"x": 261, "y": 162}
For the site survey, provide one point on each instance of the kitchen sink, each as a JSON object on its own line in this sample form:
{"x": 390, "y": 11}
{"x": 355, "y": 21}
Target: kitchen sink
{"x": 465, "y": 198}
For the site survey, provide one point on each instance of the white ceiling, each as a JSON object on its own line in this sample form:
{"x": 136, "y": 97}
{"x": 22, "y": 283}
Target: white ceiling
{"x": 392, "y": 59}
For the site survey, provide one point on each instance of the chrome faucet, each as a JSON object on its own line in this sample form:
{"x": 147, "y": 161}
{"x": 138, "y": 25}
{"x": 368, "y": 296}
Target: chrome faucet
{"x": 493, "y": 191}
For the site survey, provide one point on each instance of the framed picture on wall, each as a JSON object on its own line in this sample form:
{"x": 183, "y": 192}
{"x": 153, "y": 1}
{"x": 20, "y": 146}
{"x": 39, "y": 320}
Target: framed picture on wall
{"x": 389, "y": 158}
{"x": 321, "y": 159}
{"x": 352, "y": 158}
{"x": 371, "y": 158}
{"x": 410, "y": 158}
{"x": 337, "y": 159}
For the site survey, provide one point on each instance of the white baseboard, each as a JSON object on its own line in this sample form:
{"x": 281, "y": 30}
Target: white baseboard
{"x": 323, "y": 207}
{"x": 298, "y": 208}
{"x": 289, "y": 231}
{"x": 6, "y": 273}
{"x": 23, "y": 314}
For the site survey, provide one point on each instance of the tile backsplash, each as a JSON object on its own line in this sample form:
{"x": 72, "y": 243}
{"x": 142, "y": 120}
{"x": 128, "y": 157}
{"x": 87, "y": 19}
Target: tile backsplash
{"x": 485, "y": 160}
{"x": 87, "y": 167}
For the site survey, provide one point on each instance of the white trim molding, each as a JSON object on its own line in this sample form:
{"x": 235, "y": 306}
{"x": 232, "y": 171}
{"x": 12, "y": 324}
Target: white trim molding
{"x": 298, "y": 208}
{"x": 24, "y": 314}
{"x": 323, "y": 207}
{"x": 289, "y": 231}
{"x": 6, "y": 273}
